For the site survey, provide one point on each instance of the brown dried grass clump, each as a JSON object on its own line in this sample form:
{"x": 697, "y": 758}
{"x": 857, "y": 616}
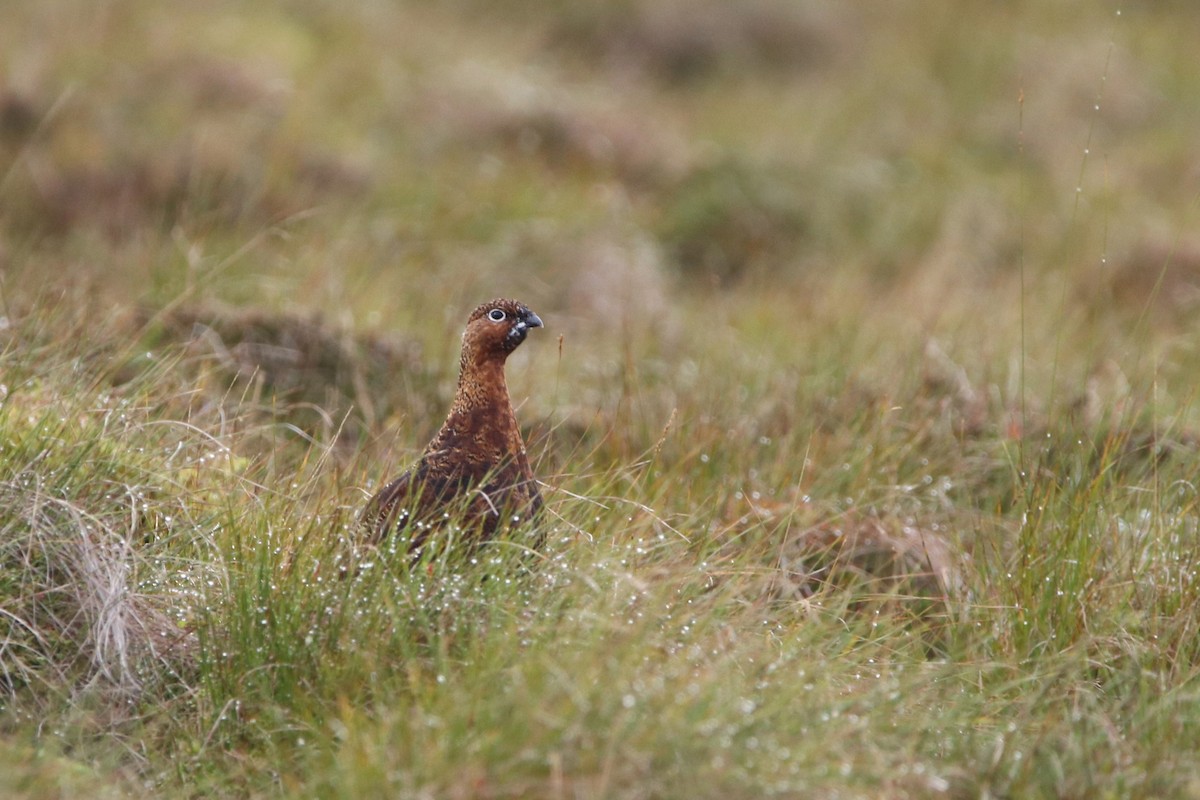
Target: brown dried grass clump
{"x": 188, "y": 138}
{"x": 884, "y": 555}
{"x": 568, "y": 128}
{"x": 73, "y": 602}
{"x": 119, "y": 194}
{"x": 309, "y": 370}
{"x": 877, "y": 556}
{"x": 681, "y": 42}
{"x": 733, "y": 218}
{"x": 1157, "y": 273}
{"x": 18, "y": 117}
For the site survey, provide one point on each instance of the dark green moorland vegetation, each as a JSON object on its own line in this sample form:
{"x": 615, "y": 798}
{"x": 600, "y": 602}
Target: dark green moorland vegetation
{"x": 865, "y": 409}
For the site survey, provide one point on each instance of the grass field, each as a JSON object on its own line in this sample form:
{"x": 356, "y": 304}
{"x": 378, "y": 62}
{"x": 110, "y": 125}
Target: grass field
{"x": 865, "y": 408}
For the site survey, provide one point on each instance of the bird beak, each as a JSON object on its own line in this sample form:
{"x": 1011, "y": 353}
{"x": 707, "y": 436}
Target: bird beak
{"x": 532, "y": 320}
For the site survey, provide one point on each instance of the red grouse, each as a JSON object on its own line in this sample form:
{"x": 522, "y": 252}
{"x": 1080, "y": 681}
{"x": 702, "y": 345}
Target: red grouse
{"x": 475, "y": 471}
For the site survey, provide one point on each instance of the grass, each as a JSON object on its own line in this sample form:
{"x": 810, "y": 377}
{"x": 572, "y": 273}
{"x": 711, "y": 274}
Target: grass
{"x": 865, "y": 410}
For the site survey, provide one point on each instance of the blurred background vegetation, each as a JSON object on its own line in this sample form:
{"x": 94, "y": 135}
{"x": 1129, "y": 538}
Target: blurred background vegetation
{"x": 996, "y": 176}
{"x": 388, "y": 161}
{"x": 885, "y": 263}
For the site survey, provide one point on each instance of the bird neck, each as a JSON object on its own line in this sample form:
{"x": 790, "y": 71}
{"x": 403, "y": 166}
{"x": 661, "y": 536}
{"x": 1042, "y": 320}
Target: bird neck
{"x": 481, "y": 421}
{"x": 481, "y": 408}
{"x": 481, "y": 384}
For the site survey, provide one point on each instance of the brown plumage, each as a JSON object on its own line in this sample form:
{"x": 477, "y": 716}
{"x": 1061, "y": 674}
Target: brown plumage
{"x": 478, "y": 457}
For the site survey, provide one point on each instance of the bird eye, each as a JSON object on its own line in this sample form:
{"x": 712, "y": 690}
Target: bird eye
{"x": 496, "y": 315}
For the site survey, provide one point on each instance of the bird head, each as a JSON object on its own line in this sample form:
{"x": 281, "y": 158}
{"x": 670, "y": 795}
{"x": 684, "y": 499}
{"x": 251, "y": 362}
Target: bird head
{"x": 497, "y": 328}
